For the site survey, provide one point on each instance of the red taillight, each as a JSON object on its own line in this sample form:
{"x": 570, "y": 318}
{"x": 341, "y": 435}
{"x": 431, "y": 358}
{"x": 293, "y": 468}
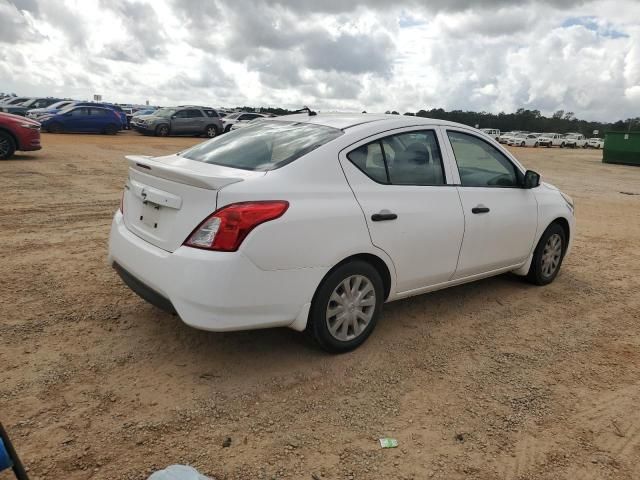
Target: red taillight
{"x": 226, "y": 228}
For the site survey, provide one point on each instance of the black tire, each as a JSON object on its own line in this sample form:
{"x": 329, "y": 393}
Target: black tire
{"x": 7, "y": 146}
{"x": 55, "y": 127}
{"x": 535, "y": 145}
{"x": 562, "y": 145}
{"x": 317, "y": 325}
{"x": 162, "y": 130}
{"x": 110, "y": 129}
{"x": 522, "y": 144}
{"x": 227, "y": 129}
{"x": 211, "y": 131}
{"x": 536, "y": 274}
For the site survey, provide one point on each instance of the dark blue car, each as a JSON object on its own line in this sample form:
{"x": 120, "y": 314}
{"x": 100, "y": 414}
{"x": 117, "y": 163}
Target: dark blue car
{"x": 91, "y": 119}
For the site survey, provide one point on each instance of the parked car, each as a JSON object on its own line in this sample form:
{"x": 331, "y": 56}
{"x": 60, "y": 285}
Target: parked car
{"x": 595, "y": 142}
{"x": 313, "y": 222}
{"x": 246, "y": 123}
{"x": 35, "y": 113}
{"x": 238, "y": 117}
{"x": 551, "y": 140}
{"x": 141, "y": 113}
{"x": 506, "y": 137}
{"x": 18, "y": 133}
{"x": 22, "y": 108}
{"x": 575, "y": 140}
{"x": 492, "y": 132}
{"x": 517, "y": 139}
{"x": 186, "y": 120}
{"x": 92, "y": 119}
{"x": 14, "y": 100}
{"x": 529, "y": 140}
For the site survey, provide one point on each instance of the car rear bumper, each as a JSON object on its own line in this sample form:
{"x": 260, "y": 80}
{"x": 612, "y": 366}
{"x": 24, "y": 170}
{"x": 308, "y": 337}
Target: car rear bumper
{"x": 217, "y": 291}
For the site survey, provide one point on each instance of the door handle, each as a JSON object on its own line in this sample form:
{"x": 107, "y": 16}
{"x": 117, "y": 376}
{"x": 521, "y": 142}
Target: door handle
{"x": 480, "y": 209}
{"x": 383, "y": 215}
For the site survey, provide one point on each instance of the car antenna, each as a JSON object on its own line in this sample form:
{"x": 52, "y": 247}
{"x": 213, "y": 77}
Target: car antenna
{"x": 305, "y": 109}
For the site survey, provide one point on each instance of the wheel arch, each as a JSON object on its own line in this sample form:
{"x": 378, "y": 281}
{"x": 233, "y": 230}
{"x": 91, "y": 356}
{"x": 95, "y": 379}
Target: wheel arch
{"x": 16, "y": 143}
{"x": 375, "y": 261}
{"x": 565, "y": 227}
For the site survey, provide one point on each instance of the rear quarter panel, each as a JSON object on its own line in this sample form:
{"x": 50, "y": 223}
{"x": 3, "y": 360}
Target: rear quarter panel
{"x": 323, "y": 225}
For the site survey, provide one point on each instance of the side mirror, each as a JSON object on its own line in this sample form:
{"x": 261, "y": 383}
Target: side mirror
{"x": 531, "y": 179}
{"x": 173, "y": 117}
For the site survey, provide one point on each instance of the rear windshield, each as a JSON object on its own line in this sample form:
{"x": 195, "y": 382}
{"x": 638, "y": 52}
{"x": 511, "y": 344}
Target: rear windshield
{"x": 263, "y": 146}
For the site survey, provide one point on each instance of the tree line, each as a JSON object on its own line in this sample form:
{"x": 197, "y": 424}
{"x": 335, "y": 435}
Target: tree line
{"x": 522, "y": 119}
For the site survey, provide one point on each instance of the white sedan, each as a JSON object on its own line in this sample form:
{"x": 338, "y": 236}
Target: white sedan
{"x": 314, "y": 221}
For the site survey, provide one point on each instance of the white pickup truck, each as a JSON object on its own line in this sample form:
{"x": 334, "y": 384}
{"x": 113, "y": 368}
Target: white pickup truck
{"x": 492, "y": 132}
{"x": 575, "y": 140}
{"x": 551, "y": 140}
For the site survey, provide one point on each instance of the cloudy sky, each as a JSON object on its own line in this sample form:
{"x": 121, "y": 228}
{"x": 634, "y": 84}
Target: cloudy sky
{"x": 376, "y": 55}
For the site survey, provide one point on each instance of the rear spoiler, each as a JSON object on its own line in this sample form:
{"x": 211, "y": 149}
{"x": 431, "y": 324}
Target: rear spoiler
{"x": 197, "y": 174}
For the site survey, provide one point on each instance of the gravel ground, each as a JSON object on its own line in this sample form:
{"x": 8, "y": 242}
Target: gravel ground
{"x": 492, "y": 380}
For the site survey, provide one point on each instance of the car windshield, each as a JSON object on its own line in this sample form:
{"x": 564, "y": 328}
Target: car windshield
{"x": 165, "y": 112}
{"x": 263, "y": 146}
{"x": 61, "y": 104}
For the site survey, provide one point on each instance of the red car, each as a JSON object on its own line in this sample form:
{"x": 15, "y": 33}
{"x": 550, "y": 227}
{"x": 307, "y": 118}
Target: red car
{"x": 18, "y": 133}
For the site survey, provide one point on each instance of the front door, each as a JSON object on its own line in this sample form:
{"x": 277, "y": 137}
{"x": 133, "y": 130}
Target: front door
{"x": 180, "y": 122}
{"x": 412, "y": 213}
{"x": 501, "y": 217}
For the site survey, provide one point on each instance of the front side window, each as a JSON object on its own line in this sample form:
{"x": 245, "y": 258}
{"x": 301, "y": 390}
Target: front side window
{"x": 411, "y": 158}
{"x": 181, "y": 114}
{"x": 79, "y": 112}
{"x": 481, "y": 164}
{"x": 263, "y": 146}
{"x": 194, "y": 113}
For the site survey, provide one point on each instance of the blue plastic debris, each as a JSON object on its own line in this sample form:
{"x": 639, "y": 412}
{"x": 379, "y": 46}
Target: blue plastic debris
{"x": 5, "y": 459}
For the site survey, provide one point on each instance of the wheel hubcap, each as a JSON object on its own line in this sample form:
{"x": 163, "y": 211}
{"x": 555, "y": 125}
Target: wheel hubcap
{"x": 551, "y": 255}
{"x": 351, "y": 308}
{"x": 4, "y": 146}
{"x": 211, "y": 132}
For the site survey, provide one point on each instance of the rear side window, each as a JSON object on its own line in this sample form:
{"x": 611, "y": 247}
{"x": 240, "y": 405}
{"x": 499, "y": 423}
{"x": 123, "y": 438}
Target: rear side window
{"x": 411, "y": 158}
{"x": 194, "y": 113}
{"x": 211, "y": 113}
{"x": 263, "y": 146}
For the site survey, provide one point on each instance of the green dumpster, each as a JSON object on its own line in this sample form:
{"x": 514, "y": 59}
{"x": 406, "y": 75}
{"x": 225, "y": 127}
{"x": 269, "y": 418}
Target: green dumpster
{"x": 621, "y": 147}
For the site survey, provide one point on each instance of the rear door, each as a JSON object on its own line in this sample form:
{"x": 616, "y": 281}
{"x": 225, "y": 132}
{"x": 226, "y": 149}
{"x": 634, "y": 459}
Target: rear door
{"x": 412, "y": 211}
{"x": 197, "y": 121}
{"x": 501, "y": 217}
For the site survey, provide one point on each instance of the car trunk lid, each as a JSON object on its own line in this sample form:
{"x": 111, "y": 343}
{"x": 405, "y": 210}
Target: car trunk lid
{"x": 166, "y": 198}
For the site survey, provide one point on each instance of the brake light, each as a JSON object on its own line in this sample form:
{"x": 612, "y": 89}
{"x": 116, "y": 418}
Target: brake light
{"x": 226, "y": 228}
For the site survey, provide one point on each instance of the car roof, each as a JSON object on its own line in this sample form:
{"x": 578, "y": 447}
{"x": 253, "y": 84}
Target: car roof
{"x": 348, "y": 120}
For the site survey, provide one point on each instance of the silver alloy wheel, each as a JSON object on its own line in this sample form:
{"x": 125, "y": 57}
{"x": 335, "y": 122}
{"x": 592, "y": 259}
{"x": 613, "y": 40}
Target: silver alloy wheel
{"x": 5, "y": 147}
{"x": 211, "y": 132}
{"x": 351, "y": 307}
{"x": 551, "y": 255}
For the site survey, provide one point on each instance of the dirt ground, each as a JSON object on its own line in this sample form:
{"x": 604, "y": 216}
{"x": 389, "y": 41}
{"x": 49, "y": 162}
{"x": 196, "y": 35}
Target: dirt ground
{"x": 492, "y": 380}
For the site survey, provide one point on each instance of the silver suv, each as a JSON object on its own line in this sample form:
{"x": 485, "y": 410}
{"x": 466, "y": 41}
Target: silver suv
{"x": 182, "y": 120}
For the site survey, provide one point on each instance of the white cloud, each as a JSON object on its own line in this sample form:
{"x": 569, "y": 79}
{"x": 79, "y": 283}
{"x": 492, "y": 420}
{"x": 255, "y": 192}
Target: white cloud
{"x": 580, "y": 56}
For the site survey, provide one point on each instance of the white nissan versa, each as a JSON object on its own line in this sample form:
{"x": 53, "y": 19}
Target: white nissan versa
{"x": 314, "y": 221}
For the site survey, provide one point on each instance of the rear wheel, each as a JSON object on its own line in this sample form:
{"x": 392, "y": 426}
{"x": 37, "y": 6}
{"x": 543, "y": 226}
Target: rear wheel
{"x": 562, "y": 145}
{"x": 522, "y": 144}
{"x": 162, "y": 130}
{"x": 548, "y": 256}
{"x": 536, "y": 145}
{"x": 211, "y": 131}
{"x": 346, "y": 307}
{"x": 7, "y": 146}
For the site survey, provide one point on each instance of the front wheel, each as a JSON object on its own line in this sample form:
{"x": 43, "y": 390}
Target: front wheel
{"x": 55, "y": 127}
{"x": 535, "y": 145}
{"x": 110, "y": 129}
{"x": 522, "y": 144}
{"x": 548, "y": 256}
{"x": 346, "y": 307}
{"x": 162, "y": 131}
{"x": 7, "y": 146}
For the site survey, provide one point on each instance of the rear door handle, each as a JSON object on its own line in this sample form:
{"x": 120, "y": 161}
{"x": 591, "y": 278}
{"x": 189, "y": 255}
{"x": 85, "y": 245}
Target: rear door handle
{"x": 480, "y": 209}
{"x": 383, "y": 216}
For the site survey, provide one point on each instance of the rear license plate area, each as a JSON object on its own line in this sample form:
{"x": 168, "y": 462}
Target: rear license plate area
{"x": 150, "y": 214}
